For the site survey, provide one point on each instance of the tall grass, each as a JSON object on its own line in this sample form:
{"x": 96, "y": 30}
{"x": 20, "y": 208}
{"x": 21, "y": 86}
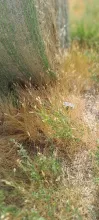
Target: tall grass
{"x": 84, "y": 23}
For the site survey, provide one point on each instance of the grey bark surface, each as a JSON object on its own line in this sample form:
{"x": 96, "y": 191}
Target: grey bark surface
{"x": 62, "y": 11}
{"x": 31, "y": 33}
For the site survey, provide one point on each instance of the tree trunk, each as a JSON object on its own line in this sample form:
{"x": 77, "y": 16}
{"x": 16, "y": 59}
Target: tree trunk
{"x": 29, "y": 35}
{"x": 63, "y": 22}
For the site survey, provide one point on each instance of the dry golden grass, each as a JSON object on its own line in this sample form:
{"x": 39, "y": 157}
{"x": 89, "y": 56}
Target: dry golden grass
{"x": 33, "y": 121}
{"x": 75, "y": 71}
{"x": 25, "y": 123}
{"x": 39, "y": 116}
{"x": 75, "y": 79}
{"x": 22, "y": 123}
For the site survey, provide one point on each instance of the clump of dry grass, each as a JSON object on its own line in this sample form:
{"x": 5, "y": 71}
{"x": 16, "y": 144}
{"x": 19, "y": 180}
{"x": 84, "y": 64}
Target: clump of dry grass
{"x": 76, "y": 73}
{"x": 22, "y": 123}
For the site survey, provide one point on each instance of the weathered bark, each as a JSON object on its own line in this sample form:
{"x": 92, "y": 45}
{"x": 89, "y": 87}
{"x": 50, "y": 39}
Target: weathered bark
{"x": 63, "y": 22}
{"x": 30, "y": 33}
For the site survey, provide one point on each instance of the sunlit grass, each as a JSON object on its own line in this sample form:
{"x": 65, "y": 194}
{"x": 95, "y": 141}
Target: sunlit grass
{"x": 84, "y": 23}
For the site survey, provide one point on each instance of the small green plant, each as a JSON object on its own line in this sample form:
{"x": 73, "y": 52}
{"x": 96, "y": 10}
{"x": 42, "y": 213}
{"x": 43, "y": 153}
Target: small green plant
{"x": 41, "y": 169}
{"x": 58, "y": 122}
